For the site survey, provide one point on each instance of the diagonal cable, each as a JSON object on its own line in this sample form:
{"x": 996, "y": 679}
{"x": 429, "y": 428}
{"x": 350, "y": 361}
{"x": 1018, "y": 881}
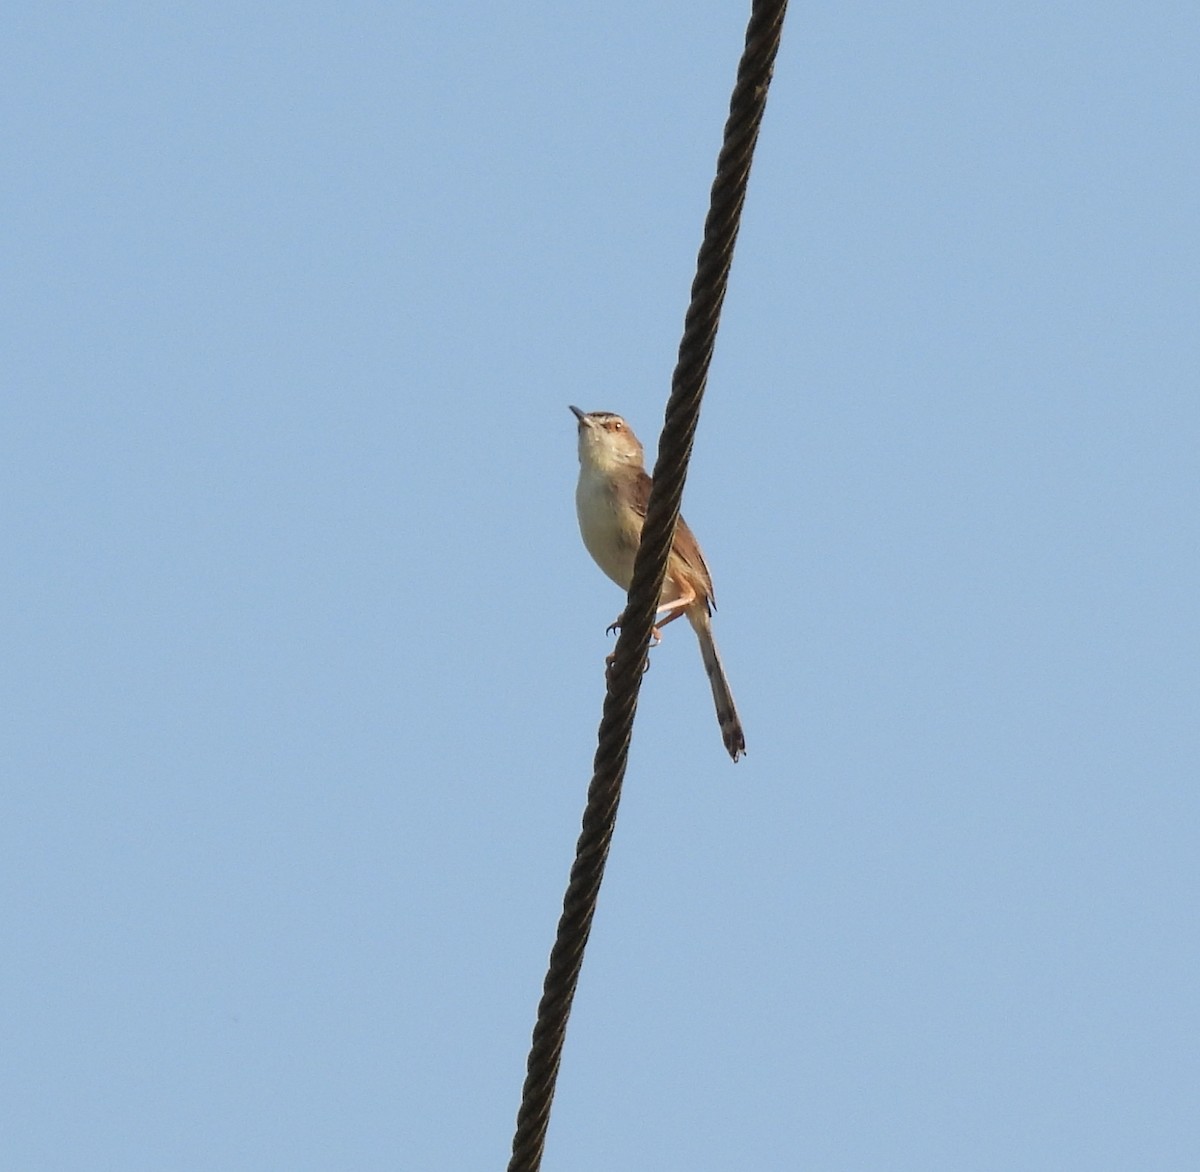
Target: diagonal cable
{"x": 625, "y": 677}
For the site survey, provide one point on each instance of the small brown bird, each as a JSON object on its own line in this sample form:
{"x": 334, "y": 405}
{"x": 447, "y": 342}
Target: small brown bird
{"x": 611, "y": 500}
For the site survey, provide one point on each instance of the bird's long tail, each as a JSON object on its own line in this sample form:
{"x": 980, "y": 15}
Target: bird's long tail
{"x": 727, "y": 716}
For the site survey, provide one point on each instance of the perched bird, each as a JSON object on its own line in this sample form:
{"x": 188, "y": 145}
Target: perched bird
{"x": 611, "y": 499}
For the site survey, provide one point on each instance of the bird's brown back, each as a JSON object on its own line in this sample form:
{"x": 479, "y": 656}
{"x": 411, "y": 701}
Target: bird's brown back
{"x": 686, "y": 549}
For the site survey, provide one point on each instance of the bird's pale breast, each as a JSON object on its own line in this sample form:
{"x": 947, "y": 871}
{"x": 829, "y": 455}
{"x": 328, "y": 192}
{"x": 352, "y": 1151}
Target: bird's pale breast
{"x": 612, "y": 544}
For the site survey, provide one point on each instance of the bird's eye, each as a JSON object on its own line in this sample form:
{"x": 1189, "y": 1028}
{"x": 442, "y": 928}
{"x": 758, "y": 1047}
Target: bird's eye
{"x": 617, "y": 425}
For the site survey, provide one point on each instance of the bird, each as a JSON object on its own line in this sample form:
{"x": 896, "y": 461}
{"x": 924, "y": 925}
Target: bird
{"x": 610, "y": 500}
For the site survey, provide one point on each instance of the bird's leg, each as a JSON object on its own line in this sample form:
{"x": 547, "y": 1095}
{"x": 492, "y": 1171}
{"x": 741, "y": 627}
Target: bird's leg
{"x": 677, "y": 606}
{"x": 618, "y": 622}
{"x": 671, "y": 610}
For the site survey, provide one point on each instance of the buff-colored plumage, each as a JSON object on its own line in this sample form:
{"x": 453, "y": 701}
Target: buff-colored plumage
{"x": 611, "y": 499}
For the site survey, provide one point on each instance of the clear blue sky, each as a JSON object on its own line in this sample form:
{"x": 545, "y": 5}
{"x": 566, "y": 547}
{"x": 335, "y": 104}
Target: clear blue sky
{"x": 304, "y": 657}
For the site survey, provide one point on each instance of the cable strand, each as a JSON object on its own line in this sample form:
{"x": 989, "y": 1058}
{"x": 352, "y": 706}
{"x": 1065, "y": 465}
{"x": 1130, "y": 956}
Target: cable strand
{"x": 629, "y": 658}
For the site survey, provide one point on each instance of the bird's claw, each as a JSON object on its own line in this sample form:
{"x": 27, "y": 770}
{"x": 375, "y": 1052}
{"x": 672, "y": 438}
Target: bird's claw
{"x": 615, "y": 626}
{"x": 608, "y": 666}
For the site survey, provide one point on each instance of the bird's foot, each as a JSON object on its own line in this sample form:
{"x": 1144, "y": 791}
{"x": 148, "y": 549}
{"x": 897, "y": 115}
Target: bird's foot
{"x": 616, "y": 624}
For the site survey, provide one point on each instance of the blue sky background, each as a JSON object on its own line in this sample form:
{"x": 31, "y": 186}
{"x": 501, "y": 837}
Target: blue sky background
{"x": 304, "y": 657}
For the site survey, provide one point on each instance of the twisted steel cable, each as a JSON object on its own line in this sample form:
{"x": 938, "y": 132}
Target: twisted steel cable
{"x": 625, "y": 676}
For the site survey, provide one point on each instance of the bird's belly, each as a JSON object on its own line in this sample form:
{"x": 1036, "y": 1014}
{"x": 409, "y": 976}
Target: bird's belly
{"x": 613, "y": 545}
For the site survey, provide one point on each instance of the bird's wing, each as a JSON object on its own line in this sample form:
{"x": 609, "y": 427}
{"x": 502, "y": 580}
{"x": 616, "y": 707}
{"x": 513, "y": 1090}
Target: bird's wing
{"x": 686, "y": 547}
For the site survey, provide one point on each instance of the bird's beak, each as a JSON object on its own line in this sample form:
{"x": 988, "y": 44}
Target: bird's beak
{"x": 580, "y": 415}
